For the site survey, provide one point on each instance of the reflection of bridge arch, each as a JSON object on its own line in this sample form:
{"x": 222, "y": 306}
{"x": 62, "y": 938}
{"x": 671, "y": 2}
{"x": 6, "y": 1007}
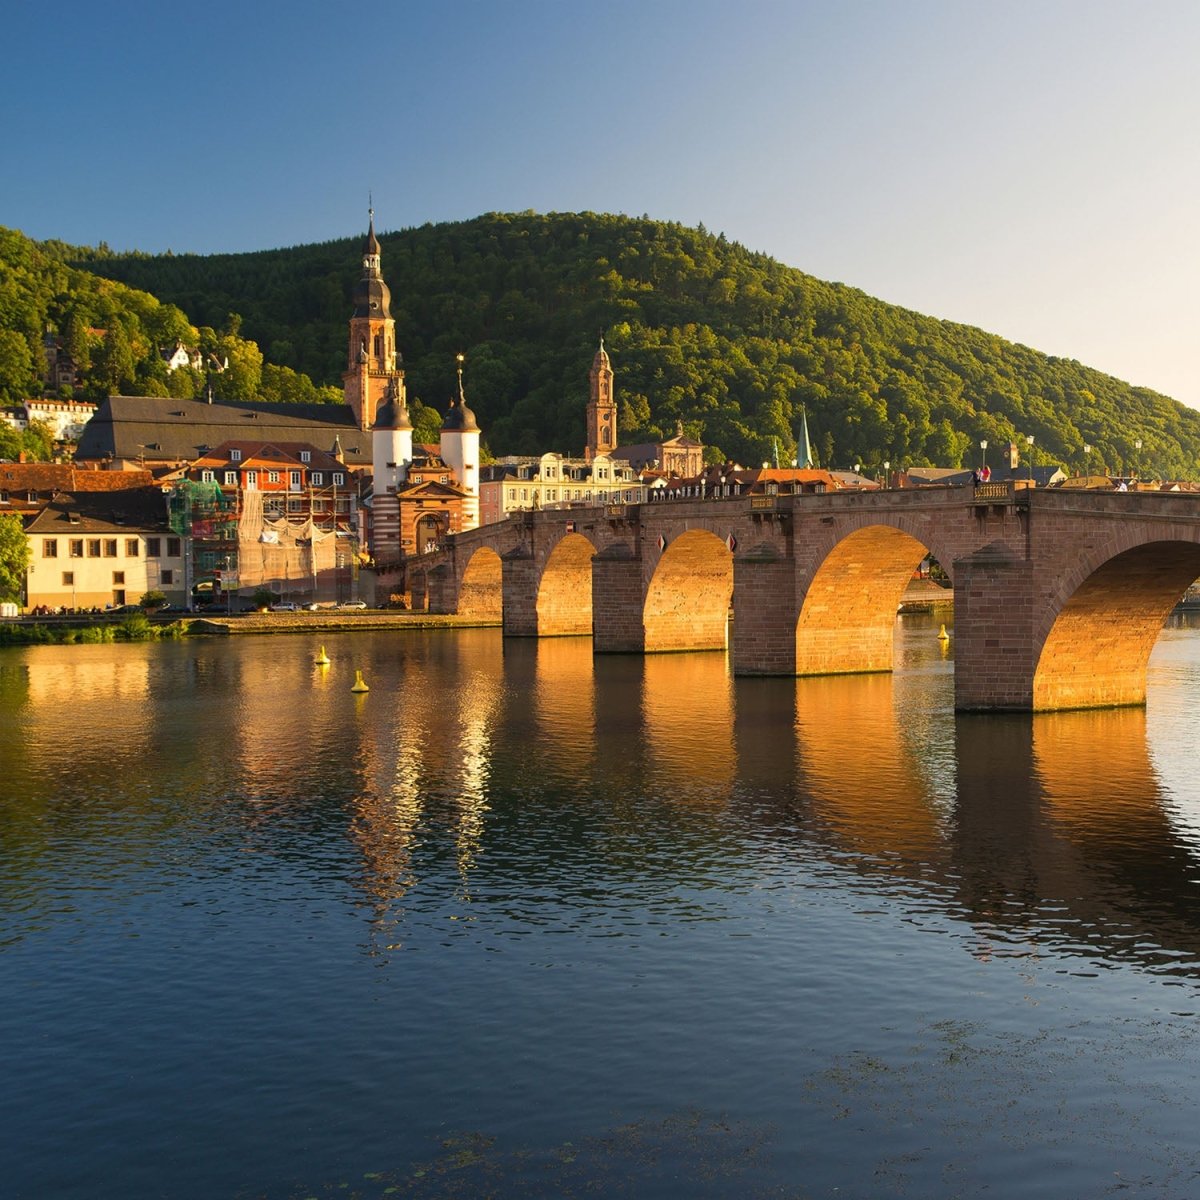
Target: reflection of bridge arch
{"x": 847, "y": 619}
{"x": 1095, "y": 642}
{"x": 480, "y": 592}
{"x": 564, "y": 595}
{"x": 687, "y": 601}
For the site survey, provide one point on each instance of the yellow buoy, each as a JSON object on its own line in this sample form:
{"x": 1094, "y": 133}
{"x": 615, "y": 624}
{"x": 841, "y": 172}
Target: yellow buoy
{"x": 943, "y": 636}
{"x": 359, "y": 683}
{"x": 322, "y": 659}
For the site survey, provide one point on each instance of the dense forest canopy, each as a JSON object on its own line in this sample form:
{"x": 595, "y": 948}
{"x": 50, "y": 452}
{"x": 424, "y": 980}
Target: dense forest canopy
{"x": 701, "y": 331}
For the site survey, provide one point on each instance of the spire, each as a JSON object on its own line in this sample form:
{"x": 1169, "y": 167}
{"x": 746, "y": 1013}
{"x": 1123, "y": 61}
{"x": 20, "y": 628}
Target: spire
{"x": 371, "y": 245}
{"x": 459, "y": 418}
{"x": 804, "y": 454}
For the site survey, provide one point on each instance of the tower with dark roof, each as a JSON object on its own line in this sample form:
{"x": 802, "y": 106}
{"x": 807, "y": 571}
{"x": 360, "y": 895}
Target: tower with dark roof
{"x": 459, "y": 445}
{"x": 372, "y": 363}
{"x": 602, "y": 408}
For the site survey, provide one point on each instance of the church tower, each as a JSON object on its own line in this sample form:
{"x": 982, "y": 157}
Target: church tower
{"x": 371, "y": 363}
{"x": 602, "y": 408}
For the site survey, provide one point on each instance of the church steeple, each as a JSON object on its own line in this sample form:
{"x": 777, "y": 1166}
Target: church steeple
{"x": 372, "y": 361}
{"x": 602, "y": 408}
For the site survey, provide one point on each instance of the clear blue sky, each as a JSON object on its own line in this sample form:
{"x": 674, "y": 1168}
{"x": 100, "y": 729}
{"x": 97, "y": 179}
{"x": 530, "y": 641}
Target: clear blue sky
{"x": 1030, "y": 167}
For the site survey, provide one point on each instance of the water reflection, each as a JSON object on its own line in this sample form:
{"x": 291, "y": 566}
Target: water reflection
{"x": 512, "y": 761}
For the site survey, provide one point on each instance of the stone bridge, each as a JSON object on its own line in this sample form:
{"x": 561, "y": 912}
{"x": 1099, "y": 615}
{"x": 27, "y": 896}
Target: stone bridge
{"x": 1059, "y": 595}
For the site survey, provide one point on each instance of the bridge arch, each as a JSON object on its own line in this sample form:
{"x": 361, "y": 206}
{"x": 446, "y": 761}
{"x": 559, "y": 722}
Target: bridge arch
{"x": 564, "y": 595}
{"x": 480, "y": 591}
{"x": 847, "y": 619}
{"x": 687, "y": 600}
{"x": 1094, "y": 641}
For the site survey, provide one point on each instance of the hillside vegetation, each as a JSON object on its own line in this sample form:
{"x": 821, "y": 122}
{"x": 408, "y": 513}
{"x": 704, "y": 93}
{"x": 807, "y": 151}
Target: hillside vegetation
{"x": 702, "y": 331}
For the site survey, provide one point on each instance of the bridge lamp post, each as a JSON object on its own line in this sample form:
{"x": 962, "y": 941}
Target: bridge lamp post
{"x": 1137, "y": 460}
{"x": 983, "y": 453}
{"x": 1087, "y": 460}
{"x": 887, "y": 470}
{"x": 1029, "y": 443}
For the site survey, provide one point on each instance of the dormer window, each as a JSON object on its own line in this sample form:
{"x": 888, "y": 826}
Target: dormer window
{"x": 305, "y": 455}
{"x": 235, "y": 455}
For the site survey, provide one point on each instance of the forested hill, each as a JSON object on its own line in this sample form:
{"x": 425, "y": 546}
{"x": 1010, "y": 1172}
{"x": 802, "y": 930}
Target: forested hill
{"x": 731, "y": 343}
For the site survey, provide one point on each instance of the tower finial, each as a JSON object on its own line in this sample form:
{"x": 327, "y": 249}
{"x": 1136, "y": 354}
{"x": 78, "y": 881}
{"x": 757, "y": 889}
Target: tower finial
{"x": 460, "y": 359}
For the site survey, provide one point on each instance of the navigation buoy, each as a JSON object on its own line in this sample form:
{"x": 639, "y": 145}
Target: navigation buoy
{"x": 943, "y": 636}
{"x": 359, "y": 683}
{"x": 322, "y": 659}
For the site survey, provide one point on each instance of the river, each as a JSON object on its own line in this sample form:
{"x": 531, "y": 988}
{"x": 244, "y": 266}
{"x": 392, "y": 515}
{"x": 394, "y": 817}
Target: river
{"x": 518, "y": 922}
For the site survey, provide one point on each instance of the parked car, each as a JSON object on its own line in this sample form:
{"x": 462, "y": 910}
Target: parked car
{"x": 283, "y": 606}
{"x": 353, "y": 604}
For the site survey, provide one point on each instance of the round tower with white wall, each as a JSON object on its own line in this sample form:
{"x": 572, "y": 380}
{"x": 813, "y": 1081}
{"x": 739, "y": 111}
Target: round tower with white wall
{"x": 460, "y": 451}
{"x": 391, "y": 440}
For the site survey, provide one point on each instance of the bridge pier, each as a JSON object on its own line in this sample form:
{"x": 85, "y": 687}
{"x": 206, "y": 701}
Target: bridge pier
{"x": 519, "y": 581}
{"x": 442, "y": 589}
{"x": 764, "y": 606}
{"x": 617, "y": 602}
{"x": 995, "y": 655}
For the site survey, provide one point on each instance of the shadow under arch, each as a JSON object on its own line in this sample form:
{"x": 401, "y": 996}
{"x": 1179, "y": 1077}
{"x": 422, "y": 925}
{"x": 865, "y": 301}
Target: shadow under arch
{"x": 564, "y": 599}
{"x": 687, "y": 602}
{"x": 481, "y": 592}
{"x": 847, "y": 620}
{"x": 1095, "y": 651}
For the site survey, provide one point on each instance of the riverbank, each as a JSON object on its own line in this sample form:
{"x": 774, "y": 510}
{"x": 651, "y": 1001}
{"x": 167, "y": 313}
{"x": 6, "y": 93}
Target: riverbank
{"x": 137, "y": 627}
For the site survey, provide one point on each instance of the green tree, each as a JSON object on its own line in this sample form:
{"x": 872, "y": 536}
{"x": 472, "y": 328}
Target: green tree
{"x": 16, "y": 366}
{"x": 14, "y": 557}
{"x": 114, "y": 363}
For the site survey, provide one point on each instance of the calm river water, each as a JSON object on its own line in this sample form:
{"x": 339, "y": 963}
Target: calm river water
{"x": 520, "y": 923}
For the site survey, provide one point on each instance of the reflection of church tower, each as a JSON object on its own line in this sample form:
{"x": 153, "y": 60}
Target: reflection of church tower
{"x": 601, "y": 409}
{"x": 371, "y": 363}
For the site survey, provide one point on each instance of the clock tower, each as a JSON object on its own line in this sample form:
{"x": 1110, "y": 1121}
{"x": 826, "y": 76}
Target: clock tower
{"x": 371, "y": 371}
{"x": 602, "y": 408}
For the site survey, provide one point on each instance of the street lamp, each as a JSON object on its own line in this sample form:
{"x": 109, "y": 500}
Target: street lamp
{"x": 983, "y": 455}
{"x": 887, "y": 467}
{"x": 1029, "y": 443}
{"x": 1137, "y": 461}
{"x": 1087, "y": 460}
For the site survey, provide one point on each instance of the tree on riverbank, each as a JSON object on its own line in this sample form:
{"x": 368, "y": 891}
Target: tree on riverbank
{"x": 14, "y": 557}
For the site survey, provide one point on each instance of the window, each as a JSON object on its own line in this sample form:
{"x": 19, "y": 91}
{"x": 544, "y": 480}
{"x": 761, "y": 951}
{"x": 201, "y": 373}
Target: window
{"x": 231, "y": 479}
{"x": 251, "y": 480}
{"x": 118, "y": 578}
{"x": 153, "y": 547}
{"x": 295, "y": 506}
{"x": 68, "y": 579}
{"x": 93, "y": 547}
{"x": 110, "y": 547}
{"x": 207, "y": 476}
{"x": 235, "y": 455}
{"x": 49, "y": 547}
{"x": 294, "y": 480}
{"x": 76, "y": 547}
{"x": 172, "y": 547}
{"x": 305, "y": 455}
{"x": 131, "y": 547}
{"x": 343, "y": 504}
{"x": 272, "y": 476}
{"x": 31, "y": 497}
{"x": 317, "y": 479}
{"x": 168, "y": 578}
{"x": 443, "y": 479}
{"x": 512, "y": 493}
{"x": 338, "y": 478}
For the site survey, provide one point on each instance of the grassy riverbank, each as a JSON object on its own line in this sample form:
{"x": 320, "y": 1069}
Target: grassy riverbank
{"x": 136, "y": 627}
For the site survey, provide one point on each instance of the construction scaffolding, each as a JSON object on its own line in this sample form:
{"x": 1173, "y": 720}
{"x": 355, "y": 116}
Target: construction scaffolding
{"x": 286, "y": 557}
{"x": 243, "y": 540}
